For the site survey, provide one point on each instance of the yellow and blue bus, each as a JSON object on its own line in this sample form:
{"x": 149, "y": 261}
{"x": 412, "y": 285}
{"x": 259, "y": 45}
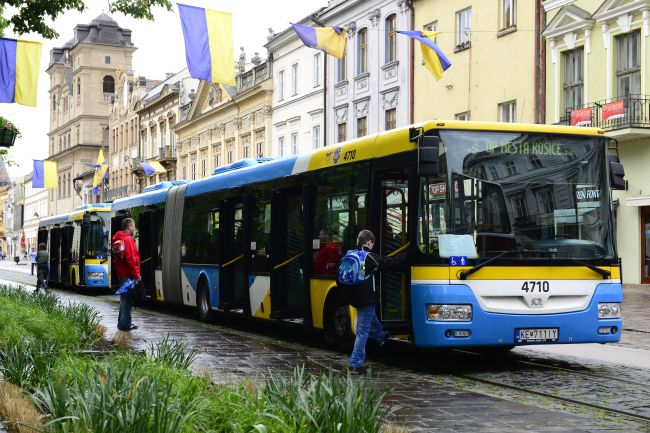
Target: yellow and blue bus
{"x": 78, "y": 243}
{"x": 509, "y": 230}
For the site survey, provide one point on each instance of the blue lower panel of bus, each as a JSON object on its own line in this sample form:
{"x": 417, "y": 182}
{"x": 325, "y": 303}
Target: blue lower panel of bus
{"x": 192, "y": 273}
{"x": 499, "y": 329}
{"x": 96, "y": 282}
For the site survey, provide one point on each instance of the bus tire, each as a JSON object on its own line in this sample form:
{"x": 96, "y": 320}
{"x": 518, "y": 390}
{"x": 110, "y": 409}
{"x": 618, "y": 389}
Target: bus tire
{"x": 205, "y": 313}
{"x": 338, "y": 327}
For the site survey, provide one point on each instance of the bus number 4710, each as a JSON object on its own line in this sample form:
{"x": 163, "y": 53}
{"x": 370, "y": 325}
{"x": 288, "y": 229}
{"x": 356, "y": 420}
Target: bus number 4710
{"x": 536, "y": 286}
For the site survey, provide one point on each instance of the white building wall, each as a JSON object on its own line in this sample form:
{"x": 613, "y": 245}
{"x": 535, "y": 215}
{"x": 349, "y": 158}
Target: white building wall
{"x": 386, "y": 84}
{"x": 297, "y": 114}
{"x": 36, "y": 201}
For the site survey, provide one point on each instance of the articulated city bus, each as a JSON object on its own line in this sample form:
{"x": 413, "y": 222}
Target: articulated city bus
{"x": 508, "y": 227}
{"x": 77, "y": 243}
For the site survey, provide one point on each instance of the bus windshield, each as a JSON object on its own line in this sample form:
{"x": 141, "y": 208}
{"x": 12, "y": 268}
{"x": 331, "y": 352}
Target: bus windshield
{"x": 97, "y": 237}
{"x": 545, "y": 193}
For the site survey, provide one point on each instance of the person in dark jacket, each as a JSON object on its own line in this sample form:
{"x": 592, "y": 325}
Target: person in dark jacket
{"x": 365, "y": 297}
{"x": 126, "y": 262}
{"x": 42, "y": 267}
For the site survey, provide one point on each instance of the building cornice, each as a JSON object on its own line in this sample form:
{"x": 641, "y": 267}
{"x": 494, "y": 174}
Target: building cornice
{"x": 77, "y": 118}
{"x": 549, "y": 5}
{"x": 604, "y": 14}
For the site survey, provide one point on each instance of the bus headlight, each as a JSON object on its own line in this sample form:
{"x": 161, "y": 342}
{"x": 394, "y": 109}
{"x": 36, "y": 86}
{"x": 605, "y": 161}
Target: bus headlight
{"x": 449, "y": 313}
{"x": 609, "y": 310}
{"x": 95, "y": 275}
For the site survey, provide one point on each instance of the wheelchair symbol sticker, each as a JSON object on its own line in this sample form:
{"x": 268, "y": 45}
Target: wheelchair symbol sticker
{"x": 458, "y": 261}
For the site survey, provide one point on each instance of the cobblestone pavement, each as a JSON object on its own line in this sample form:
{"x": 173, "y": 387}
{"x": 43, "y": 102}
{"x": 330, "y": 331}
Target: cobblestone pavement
{"x": 429, "y": 391}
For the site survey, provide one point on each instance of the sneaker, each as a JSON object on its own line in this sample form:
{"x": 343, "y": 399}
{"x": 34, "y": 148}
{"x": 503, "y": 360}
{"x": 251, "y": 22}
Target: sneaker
{"x": 131, "y": 328}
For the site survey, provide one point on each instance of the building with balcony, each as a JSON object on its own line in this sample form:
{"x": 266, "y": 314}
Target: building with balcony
{"x": 597, "y": 75}
{"x": 495, "y": 72}
{"x": 124, "y": 135}
{"x": 368, "y": 91}
{"x": 298, "y": 106}
{"x": 82, "y": 89}
{"x": 159, "y": 110}
{"x": 227, "y": 123}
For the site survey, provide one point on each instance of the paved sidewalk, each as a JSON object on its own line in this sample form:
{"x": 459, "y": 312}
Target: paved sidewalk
{"x": 422, "y": 402}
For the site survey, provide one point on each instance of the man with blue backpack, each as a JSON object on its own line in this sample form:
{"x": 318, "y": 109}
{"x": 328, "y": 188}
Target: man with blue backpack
{"x": 357, "y": 276}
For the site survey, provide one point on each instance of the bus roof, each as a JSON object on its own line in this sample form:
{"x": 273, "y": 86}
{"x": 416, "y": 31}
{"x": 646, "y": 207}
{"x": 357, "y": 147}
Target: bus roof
{"x": 72, "y": 216}
{"x": 365, "y": 148}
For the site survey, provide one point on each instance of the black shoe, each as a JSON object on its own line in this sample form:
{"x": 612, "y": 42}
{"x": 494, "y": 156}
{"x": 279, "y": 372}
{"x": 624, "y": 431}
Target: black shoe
{"x": 386, "y": 337}
{"x": 131, "y": 328}
{"x": 358, "y": 371}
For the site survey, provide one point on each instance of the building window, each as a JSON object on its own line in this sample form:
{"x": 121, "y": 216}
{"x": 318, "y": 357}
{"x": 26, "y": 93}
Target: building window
{"x": 628, "y": 70}
{"x": 390, "y": 119}
{"x": 184, "y": 172}
{"x": 508, "y": 112}
{"x": 193, "y": 170}
{"x": 463, "y": 28}
{"x": 432, "y": 27}
{"x": 216, "y": 161}
{"x": 462, "y": 116}
{"x": 316, "y": 69}
{"x": 511, "y": 168}
{"x": 546, "y": 202}
{"x": 204, "y": 167}
{"x": 260, "y": 149}
{"x": 109, "y": 84}
{"x": 53, "y": 102}
{"x": 341, "y": 67}
{"x": 508, "y": 14}
{"x": 573, "y": 78}
{"x": 280, "y": 85}
{"x": 518, "y": 204}
{"x": 281, "y": 146}
{"x": 107, "y": 60}
{"x": 315, "y": 136}
{"x": 78, "y": 86}
{"x": 535, "y": 162}
{"x": 342, "y": 132}
{"x": 230, "y": 156}
{"x": 391, "y": 39}
{"x": 294, "y": 143}
{"x": 294, "y": 79}
{"x": 246, "y": 151}
{"x": 362, "y": 126}
{"x": 362, "y": 51}
{"x": 493, "y": 172}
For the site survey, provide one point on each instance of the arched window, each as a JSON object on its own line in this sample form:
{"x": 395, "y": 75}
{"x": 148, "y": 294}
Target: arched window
{"x": 109, "y": 84}
{"x": 391, "y": 40}
{"x": 362, "y": 51}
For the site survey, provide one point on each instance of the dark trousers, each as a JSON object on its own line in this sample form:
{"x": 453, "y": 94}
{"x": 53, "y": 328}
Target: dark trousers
{"x": 33, "y": 264}
{"x": 126, "y": 304}
{"x": 41, "y": 279}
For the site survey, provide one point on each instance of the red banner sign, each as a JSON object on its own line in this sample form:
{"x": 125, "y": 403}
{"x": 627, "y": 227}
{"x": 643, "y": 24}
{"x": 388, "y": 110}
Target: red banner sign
{"x": 613, "y": 110}
{"x": 581, "y": 117}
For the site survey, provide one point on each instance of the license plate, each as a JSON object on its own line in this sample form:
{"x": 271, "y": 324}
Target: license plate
{"x": 539, "y": 335}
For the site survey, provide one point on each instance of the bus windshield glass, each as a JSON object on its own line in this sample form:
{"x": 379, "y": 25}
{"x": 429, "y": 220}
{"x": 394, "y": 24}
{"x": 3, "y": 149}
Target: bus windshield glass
{"x": 544, "y": 193}
{"x": 97, "y": 237}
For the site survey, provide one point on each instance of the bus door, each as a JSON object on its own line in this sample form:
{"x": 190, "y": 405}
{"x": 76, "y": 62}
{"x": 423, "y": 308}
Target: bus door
{"x": 67, "y": 234}
{"x": 232, "y": 271}
{"x": 148, "y": 231}
{"x": 55, "y": 249}
{"x": 287, "y": 282}
{"x": 390, "y": 223}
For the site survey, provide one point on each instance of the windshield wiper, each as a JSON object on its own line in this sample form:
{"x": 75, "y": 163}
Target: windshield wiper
{"x": 464, "y": 274}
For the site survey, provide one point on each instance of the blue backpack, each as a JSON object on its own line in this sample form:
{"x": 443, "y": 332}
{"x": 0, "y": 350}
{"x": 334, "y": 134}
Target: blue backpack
{"x": 352, "y": 268}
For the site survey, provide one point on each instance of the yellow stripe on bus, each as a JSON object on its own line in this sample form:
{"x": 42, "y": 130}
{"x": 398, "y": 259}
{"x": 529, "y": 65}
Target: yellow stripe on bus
{"x": 513, "y": 273}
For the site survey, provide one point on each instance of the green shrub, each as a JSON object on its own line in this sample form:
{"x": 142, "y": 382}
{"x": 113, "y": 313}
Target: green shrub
{"x": 26, "y": 364}
{"x": 175, "y": 353}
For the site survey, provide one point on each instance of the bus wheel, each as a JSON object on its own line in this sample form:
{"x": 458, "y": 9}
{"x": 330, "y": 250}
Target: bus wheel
{"x": 341, "y": 325}
{"x": 206, "y": 314}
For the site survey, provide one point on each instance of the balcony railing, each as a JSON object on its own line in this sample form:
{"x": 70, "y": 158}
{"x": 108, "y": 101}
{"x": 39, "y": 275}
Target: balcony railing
{"x": 630, "y": 111}
{"x": 165, "y": 153}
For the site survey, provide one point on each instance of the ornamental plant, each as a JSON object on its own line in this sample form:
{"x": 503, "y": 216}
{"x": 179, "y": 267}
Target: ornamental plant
{"x": 8, "y": 124}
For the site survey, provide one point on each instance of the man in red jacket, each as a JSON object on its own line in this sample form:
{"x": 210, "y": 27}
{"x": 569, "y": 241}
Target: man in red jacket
{"x": 126, "y": 262}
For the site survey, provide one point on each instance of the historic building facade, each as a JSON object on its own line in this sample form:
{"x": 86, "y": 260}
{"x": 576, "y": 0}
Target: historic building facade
{"x": 36, "y": 201}
{"x": 368, "y": 90}
{"x": 227, "y": 123}
{"x": 597, "y": 75}
{"x": 495, "y": 73}
{"x": 82, "y": 89}
{"x": 298, "y": 92}
{"x": 159, "y": 109}
{"x": 124, "y": 135}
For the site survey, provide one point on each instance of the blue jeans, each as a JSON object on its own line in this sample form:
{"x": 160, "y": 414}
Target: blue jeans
{"x": 126, "y": 303}
{"x": 368, "y": 325}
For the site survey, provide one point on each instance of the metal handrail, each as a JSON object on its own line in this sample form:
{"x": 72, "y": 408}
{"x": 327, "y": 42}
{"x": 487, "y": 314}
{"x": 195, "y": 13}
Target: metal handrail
{"x": 286, "y": 262}
{"x": 225, "y": 265}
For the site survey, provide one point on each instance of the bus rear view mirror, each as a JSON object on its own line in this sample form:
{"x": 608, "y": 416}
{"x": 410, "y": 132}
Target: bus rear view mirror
{"x": 428, "y": 156}
{"x": 616, "y": 173}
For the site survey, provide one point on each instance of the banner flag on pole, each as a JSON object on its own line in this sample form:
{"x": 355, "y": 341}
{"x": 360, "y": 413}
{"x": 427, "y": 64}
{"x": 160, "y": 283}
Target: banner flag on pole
{"x": 329, "y": 39}
{"x": 19, "y": 64}
{"x": 101, "y": 172}
{"x": 44, "y": 175}
{"x": 434, "y": 59}
{"x": 208, "y": 44}
{"x": 152, "y": 167}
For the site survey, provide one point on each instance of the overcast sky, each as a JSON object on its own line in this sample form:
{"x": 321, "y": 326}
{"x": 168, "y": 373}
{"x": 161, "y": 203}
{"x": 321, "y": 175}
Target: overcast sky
{"x": 160, "y": 50}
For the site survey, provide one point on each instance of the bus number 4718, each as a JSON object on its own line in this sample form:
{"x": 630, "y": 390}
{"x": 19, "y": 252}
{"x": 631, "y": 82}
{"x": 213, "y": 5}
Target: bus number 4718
{"x": 535, "y": 286}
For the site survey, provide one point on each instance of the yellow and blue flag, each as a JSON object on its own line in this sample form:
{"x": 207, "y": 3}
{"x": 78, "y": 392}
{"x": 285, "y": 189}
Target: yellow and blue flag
{"x": 434, "y": 59}
{"x": 19, "y": 64}
{"x": 329, "y": 39}
{"x": 101, "y": 172}
{"x": 44, "y": 174}
{"x": 208, "y": 44}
